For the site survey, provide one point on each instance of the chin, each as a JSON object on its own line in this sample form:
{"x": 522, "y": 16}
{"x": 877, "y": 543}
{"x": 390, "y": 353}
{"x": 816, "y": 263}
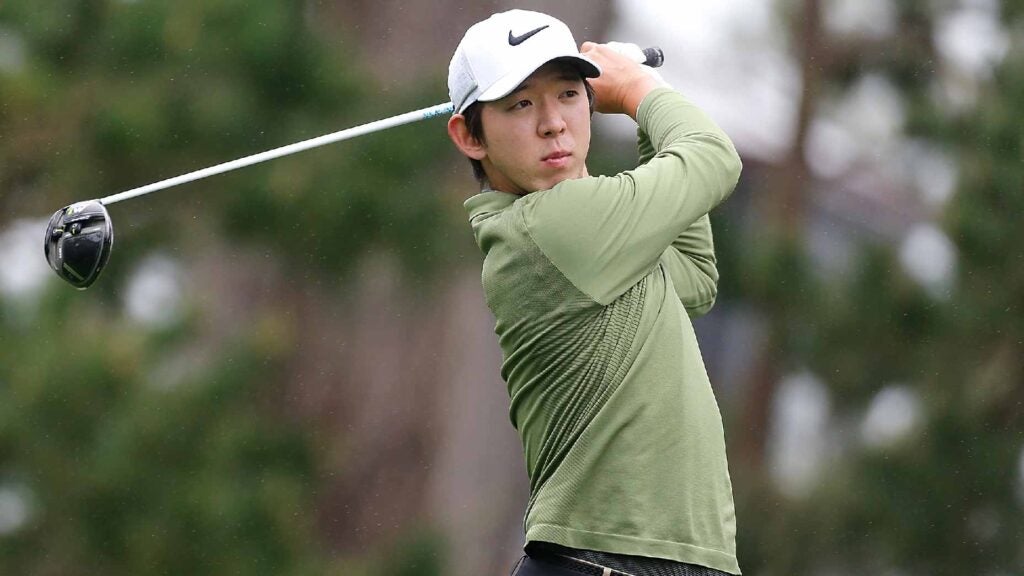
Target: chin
{"x": 558, "y": 179}
{"x": 549, "y": 183}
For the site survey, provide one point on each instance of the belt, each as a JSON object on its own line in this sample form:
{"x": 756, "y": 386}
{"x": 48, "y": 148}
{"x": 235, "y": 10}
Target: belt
{"x": 594, "y": 563}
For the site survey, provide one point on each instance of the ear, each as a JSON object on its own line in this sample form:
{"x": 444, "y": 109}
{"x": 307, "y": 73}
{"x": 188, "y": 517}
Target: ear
{"x": 458, "y": 131}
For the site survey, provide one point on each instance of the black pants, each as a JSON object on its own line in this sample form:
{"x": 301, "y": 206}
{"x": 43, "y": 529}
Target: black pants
{"x": 530, "y": 567}
{"x": 545, "y": 559}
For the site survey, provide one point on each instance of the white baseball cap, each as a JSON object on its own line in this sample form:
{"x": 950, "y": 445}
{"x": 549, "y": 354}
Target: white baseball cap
{"x": 497, "y": 54}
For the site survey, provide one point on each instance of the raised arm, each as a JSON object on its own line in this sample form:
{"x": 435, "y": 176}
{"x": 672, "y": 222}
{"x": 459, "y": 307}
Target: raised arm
{"x": 607, "y": 233}
{"x": 690, "y": 261}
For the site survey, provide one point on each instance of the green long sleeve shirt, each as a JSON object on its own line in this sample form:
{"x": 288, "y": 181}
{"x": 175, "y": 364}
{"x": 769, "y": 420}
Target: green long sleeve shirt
{"x": 593, "y": 284}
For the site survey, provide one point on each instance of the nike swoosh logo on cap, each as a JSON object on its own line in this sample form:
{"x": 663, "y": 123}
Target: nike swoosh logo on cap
{"x": 517, "y": 40}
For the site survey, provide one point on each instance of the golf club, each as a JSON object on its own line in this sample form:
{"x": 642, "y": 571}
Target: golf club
{"x": 79, "y": 237}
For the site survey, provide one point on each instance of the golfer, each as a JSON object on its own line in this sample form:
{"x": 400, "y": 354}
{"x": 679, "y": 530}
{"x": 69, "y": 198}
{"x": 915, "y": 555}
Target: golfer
{"x": 593, "y": 281}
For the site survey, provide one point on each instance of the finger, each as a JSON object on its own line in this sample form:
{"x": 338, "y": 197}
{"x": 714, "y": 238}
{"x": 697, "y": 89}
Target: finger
{"x": 631, "y": 51}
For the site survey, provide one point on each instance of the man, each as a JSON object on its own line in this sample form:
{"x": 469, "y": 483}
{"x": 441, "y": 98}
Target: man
{"x": 592, "y": 281}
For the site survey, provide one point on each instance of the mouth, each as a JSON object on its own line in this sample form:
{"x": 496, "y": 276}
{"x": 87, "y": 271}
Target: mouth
{"x": 557, "y": 159}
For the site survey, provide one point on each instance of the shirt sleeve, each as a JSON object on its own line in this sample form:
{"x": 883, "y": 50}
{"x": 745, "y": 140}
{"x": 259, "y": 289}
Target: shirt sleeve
{"x": 692, "y": 265}
{"x": 690, "y": 262}
{"x": 606, "y": 233}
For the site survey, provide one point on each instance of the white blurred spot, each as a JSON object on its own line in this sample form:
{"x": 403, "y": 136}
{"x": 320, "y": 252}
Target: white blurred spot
{"x": 894, "y": 413}
{"x": 154, "y": 292}
{"x": 831, "y": 149}
{"x": 972, "y": 39}
{"x": 874, "y": 19}
{"x": 798, "y": 442}
{"x": 972, "y": 42}
{"x": 731, "y": 57}
{"x": 929, "y": 257}
{"x": 862, "y": 127}
{"x": 24, "y": 270}
{"x": 873, "y": 108}
{"x": 12, "y": 51}
{"x": 14, "y": 509}
{"x": 933, "y": 173}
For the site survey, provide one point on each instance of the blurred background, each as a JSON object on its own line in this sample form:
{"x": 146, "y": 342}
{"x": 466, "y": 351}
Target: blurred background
{"x": 290, "y": 369}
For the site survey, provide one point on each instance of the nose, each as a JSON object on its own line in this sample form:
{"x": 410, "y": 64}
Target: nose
{"x": 551, "y": 122}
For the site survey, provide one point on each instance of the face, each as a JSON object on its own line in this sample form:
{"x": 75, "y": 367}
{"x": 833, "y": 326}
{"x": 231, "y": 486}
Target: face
{"x": 539, "y": 134}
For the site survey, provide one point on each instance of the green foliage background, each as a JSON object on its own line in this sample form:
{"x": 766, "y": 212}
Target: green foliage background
{"x": 947, "y": 499}
{"x": 123, "y": 472}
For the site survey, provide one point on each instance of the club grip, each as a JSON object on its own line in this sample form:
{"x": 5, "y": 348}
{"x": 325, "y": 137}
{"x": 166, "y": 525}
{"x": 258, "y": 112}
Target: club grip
{"x": 653, "y": 57}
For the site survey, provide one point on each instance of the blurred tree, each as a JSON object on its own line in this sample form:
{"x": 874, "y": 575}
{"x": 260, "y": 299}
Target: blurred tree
{"x": 945, "y": 499}
{"x": 128, "y": 472}
{"x": 159, "y": 449}
{"x": 114, "y": 95}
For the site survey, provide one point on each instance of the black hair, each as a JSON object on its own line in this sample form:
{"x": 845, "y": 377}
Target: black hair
{"x": 475, "y": 125}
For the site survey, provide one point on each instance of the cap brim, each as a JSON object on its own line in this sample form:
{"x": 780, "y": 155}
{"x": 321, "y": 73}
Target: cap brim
{"x": 504, "y": 86}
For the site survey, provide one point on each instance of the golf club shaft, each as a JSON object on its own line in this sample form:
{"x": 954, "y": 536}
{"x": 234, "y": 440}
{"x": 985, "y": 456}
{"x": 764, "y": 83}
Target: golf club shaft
{"x": 651, "y": 57}
{"x": 360, "y": 130}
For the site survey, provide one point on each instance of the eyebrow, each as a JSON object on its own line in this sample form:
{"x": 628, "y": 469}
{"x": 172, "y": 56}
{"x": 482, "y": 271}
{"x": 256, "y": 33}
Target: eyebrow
{"x": 565, "y": 76}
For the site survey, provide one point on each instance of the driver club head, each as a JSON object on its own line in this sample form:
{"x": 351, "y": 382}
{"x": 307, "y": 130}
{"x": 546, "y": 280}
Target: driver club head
{"x": 78, "y": 241}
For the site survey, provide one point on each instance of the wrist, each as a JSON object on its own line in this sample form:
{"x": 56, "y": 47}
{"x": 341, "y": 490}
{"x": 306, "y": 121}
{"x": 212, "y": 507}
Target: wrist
{"x": 637, "y": 92}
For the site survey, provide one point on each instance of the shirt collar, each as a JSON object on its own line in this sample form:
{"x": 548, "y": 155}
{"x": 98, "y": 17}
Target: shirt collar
{"x": 488, "y": 201}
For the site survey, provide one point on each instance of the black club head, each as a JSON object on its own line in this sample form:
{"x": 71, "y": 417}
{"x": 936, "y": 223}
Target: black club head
{"x": 78, "y": 241}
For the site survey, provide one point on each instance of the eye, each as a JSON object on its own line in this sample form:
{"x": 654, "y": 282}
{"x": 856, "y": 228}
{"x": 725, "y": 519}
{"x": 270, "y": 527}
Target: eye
{"x": 520, "y": 105}
{"x": 572, "y": 93}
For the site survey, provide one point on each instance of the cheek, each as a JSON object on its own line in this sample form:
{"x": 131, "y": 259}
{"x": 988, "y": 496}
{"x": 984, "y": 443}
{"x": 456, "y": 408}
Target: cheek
{"x": 583, "y": 118}
{"x": 581, "y": 130}
{"x": 510, "y": 146}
